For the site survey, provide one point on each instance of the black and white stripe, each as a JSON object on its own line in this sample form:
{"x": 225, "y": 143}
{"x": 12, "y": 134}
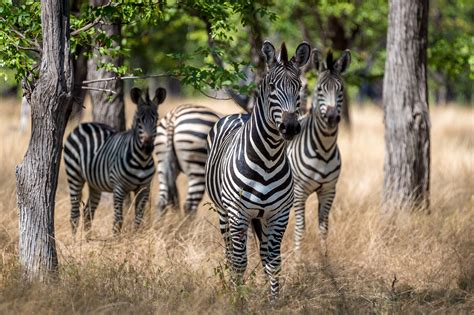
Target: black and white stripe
{"x": 248, "y": 176}
{"x": 110, "y": 161}
{"x": 181, "y": 146}
{"x": 314, "y": 155}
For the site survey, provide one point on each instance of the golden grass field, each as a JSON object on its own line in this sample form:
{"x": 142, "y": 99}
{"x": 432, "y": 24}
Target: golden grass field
{"x": 419, "y": 264}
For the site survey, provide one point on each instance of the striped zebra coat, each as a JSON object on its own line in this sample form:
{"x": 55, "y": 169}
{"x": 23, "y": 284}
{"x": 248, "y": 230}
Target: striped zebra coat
{"x": 111, "y": 161}
{"x": 313, "y": 154}
{"x": 180, "y": 146}
{"x": 248, "y": 176}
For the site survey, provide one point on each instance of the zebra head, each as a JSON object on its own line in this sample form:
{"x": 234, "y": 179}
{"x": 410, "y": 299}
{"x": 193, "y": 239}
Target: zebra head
{"x": 330, "y": 87}
{"x": 146, "y": 117}
{"x": 282, "y": 86}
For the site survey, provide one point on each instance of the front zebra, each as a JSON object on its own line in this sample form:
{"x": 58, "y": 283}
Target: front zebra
{"x": 313, "y": 154}
{"x": 111, "y": 161}
{"x": 248, "y": 176}
{"x": 181, "y": 147}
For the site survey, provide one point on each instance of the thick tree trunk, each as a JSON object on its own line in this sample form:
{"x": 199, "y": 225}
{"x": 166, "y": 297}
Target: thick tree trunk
{"x": 406, "y": 115}
{"x": 37, "y": 174}
{"x": 107, "y": 108}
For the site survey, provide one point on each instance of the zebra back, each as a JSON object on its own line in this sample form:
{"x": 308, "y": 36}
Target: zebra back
{"x": 180, "y": 146}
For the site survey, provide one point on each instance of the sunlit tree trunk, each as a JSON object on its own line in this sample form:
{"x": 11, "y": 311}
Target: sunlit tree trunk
{"x": 406, "y": 115}
{"x": 107, "y": 108}
{"x": 37, "y": 174}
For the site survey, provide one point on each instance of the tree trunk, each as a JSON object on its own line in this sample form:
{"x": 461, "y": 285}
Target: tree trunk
{"x": 406, "y": 115}
{"x": 107, "y": 108}
{"x": 37, "y": 174}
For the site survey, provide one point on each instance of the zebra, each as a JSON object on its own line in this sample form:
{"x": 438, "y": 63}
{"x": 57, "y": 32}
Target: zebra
{"x": 313, "y": 154}
{"x": 180, "y": 146}
{"x": 111, "y": 161}
{"x": 248, "y": 176}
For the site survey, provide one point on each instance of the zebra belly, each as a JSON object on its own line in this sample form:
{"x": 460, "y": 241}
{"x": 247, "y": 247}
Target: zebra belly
{"x": 140, "y": 177}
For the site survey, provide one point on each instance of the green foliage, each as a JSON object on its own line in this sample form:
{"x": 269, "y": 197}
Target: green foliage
{"x": 20, "y": 28}
{"x": 171, "y": 38}
{"x": 451, "y": 44}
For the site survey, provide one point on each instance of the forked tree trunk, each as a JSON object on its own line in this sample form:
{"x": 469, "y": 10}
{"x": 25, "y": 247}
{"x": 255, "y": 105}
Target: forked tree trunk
{"x": 406, "y": 115}
{"x": 37, "y": 174}
{"x": 107, "y": 108}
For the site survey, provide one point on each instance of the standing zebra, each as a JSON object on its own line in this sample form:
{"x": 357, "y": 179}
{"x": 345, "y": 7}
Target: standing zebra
{"x": 313, "y": 154}
{"x": 248, "y": 176}
{"x": 181, "y": 147}
{"x": 111, "y": 161}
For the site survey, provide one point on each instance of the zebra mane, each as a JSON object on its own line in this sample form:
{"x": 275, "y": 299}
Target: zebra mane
{"x": 330, "y": 60}
{"x": 147, "y": 96}
{"x": 283, "y": 54}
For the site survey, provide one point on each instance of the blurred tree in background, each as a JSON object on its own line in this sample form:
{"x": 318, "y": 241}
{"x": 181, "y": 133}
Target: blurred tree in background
{"x": 171, "y": 38}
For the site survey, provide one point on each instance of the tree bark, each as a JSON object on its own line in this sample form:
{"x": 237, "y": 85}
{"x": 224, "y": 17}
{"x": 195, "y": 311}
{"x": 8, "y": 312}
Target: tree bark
{"x": 37, "y": 174}
{"x": 107, "y": 108}
{"x": 406, "y": 114}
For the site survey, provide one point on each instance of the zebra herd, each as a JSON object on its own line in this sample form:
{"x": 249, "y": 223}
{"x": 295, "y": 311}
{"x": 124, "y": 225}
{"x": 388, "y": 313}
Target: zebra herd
{"x": 255, "y": 167}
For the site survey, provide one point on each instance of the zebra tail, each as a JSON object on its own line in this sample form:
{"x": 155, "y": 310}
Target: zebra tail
{"x": 257, "y": 228}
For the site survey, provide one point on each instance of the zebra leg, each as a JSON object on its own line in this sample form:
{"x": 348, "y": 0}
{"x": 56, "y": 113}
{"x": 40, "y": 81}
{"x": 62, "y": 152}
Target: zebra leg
{"x": 75, "y": 193}
{"x": 89, "y": 210}
{"x": 261, "y": 229}
{"x": 224, "y": 228}
{"x": 238, "y": 242}
{"x": 299, "y": 205}
{"x": 119, "y": 195}
{"x": 276, "y": 229}
{"x": 141, "y": 199}
{"x": 196, "y": 189}
{"x": 325, "y": 197}
{"x": 168, "y": 191}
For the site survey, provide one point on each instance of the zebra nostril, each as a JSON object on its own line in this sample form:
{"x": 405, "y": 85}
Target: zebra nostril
{"x": 282, "y": 128}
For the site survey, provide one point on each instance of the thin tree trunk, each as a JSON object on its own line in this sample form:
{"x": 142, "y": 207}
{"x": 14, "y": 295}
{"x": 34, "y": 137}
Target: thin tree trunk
{"x": 406, "y": 115}
{"x": 37, "y": 174}
{"x": 107, "y": 108}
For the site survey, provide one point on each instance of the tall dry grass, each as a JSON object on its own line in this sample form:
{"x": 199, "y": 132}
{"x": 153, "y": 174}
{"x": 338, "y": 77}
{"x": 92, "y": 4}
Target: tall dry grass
{"x": 420, "y": 263}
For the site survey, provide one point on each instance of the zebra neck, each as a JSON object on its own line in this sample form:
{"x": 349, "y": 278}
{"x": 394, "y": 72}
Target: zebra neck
{"x": 322, "y": 135}
{"x": 138, "y": 153}
{"x": 262, "y": 136}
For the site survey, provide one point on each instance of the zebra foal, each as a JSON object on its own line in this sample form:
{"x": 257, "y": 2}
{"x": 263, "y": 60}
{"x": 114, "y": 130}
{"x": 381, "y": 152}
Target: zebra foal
{"x": 314, "y": 154}
{"x": 180, "y": 146}
{"x": 111, "y": 161}
{"x": 248, "y": 176}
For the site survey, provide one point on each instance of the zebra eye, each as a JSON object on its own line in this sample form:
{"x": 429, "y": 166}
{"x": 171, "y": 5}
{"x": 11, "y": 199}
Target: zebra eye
{"x": 272, "y": 86}
{"x": 320, "y": 89}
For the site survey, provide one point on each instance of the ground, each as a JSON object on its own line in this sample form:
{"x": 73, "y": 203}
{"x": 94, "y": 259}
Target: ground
{"x": 413, "y": 262}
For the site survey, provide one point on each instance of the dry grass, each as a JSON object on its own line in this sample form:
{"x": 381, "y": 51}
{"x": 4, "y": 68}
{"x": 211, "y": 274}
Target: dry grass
{"x": 422, "y": 263}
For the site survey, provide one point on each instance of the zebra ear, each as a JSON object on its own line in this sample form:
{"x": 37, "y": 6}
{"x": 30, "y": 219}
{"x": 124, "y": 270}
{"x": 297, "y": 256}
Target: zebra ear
{"x": 302, "y": 54}
{"x": 136, "y": 95}
{"x": 318, "y": 61}
{"x": 268, "y": 51}
{"x": 160, "y": 95}
{"x": 343, "y": 62}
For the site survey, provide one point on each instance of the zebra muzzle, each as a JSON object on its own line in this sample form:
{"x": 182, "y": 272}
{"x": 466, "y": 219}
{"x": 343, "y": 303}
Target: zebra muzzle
{"x": 289, "y": 126}
{"x": 333, "y": 117}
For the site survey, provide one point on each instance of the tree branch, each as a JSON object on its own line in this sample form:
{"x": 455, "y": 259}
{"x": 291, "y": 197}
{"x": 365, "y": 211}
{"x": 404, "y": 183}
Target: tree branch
{"x": 98, "y": 89}
{"x": 131, "y": 77}
{"x": 87, "y": 26}
{"x": 215, "y": 97}
{"x": 34, "y": 45}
